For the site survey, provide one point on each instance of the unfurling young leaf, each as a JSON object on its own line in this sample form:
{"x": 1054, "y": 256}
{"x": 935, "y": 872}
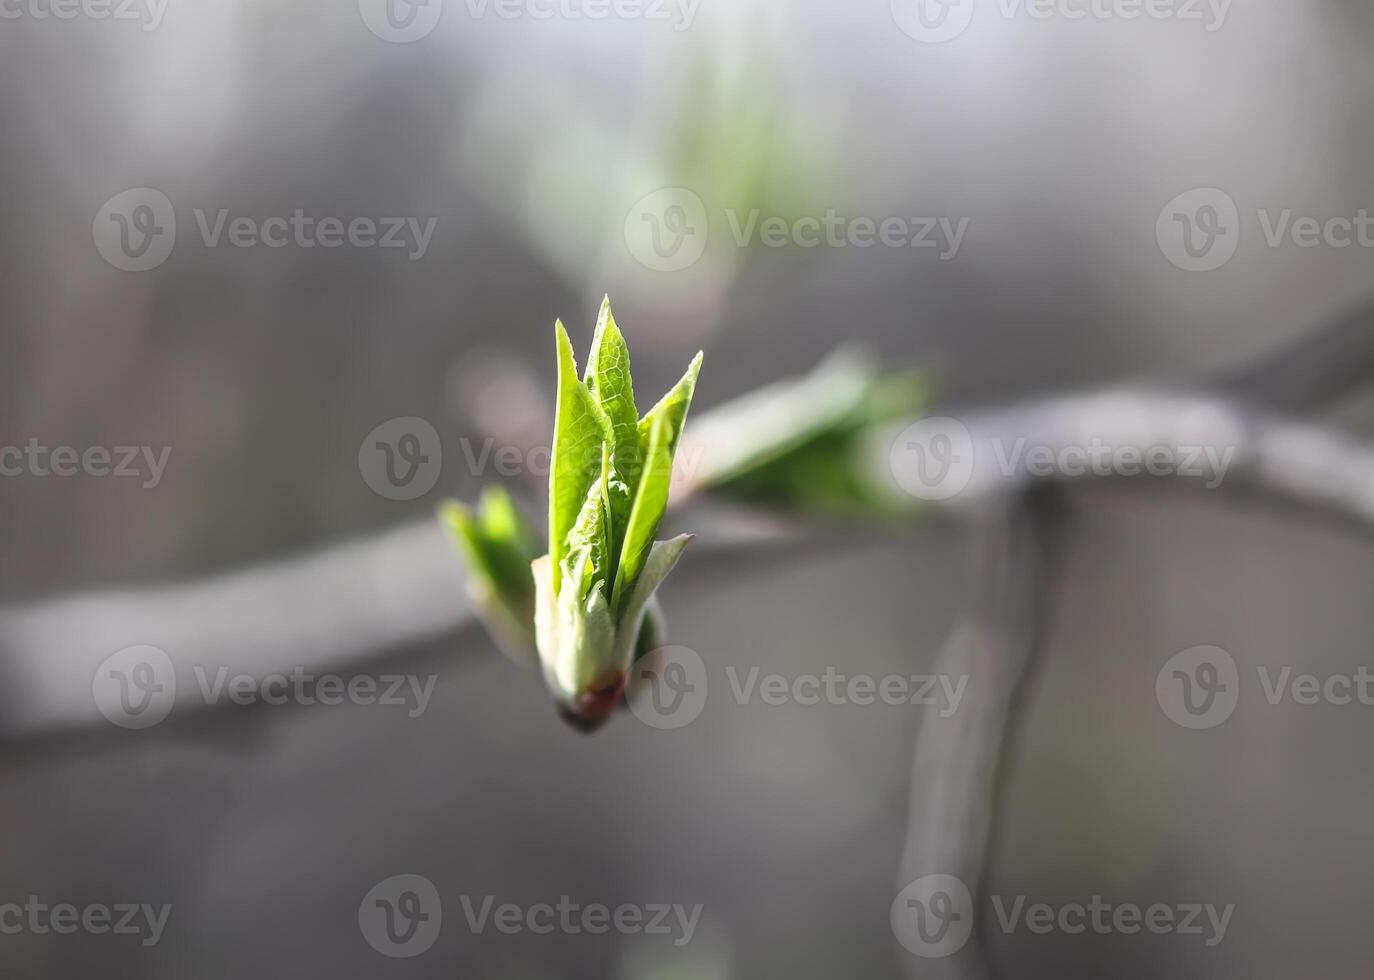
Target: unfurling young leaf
{"x": 658, "y": 435}
{"x": 608, "y": 378}
{"x": 608, "y": 489}
{"x": 588, "y": 607}
{"x": 498, "y": 546}
{"x": 580, "y": 429}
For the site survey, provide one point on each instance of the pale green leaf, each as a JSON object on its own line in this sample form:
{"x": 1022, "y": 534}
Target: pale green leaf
{"x": 608, "y": 378}
{"x": 576, "y": 635}
{"x": 661, "y": 559}
{"x": 608, "y": 373}
{"x": 580, "y": 428}
{"x": 589, "y": 540}
{"x": 660, "y": 431}
{"x": 497, "y": 546}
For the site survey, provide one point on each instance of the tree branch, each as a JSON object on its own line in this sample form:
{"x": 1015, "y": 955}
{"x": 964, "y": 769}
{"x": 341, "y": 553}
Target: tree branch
{"x": 1205, "y": 443}
{"x": 961, "y": 768}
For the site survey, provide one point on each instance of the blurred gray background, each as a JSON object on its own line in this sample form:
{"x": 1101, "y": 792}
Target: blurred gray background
{"x": 528, "y": 140}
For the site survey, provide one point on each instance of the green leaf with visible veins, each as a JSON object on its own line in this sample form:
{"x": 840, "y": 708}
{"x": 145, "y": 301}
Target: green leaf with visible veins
{"x": 589, "y": 539}
{"x": 659, "y": 432}
{"x": 608, "y": 378}
{"x": 580, "y": 428}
